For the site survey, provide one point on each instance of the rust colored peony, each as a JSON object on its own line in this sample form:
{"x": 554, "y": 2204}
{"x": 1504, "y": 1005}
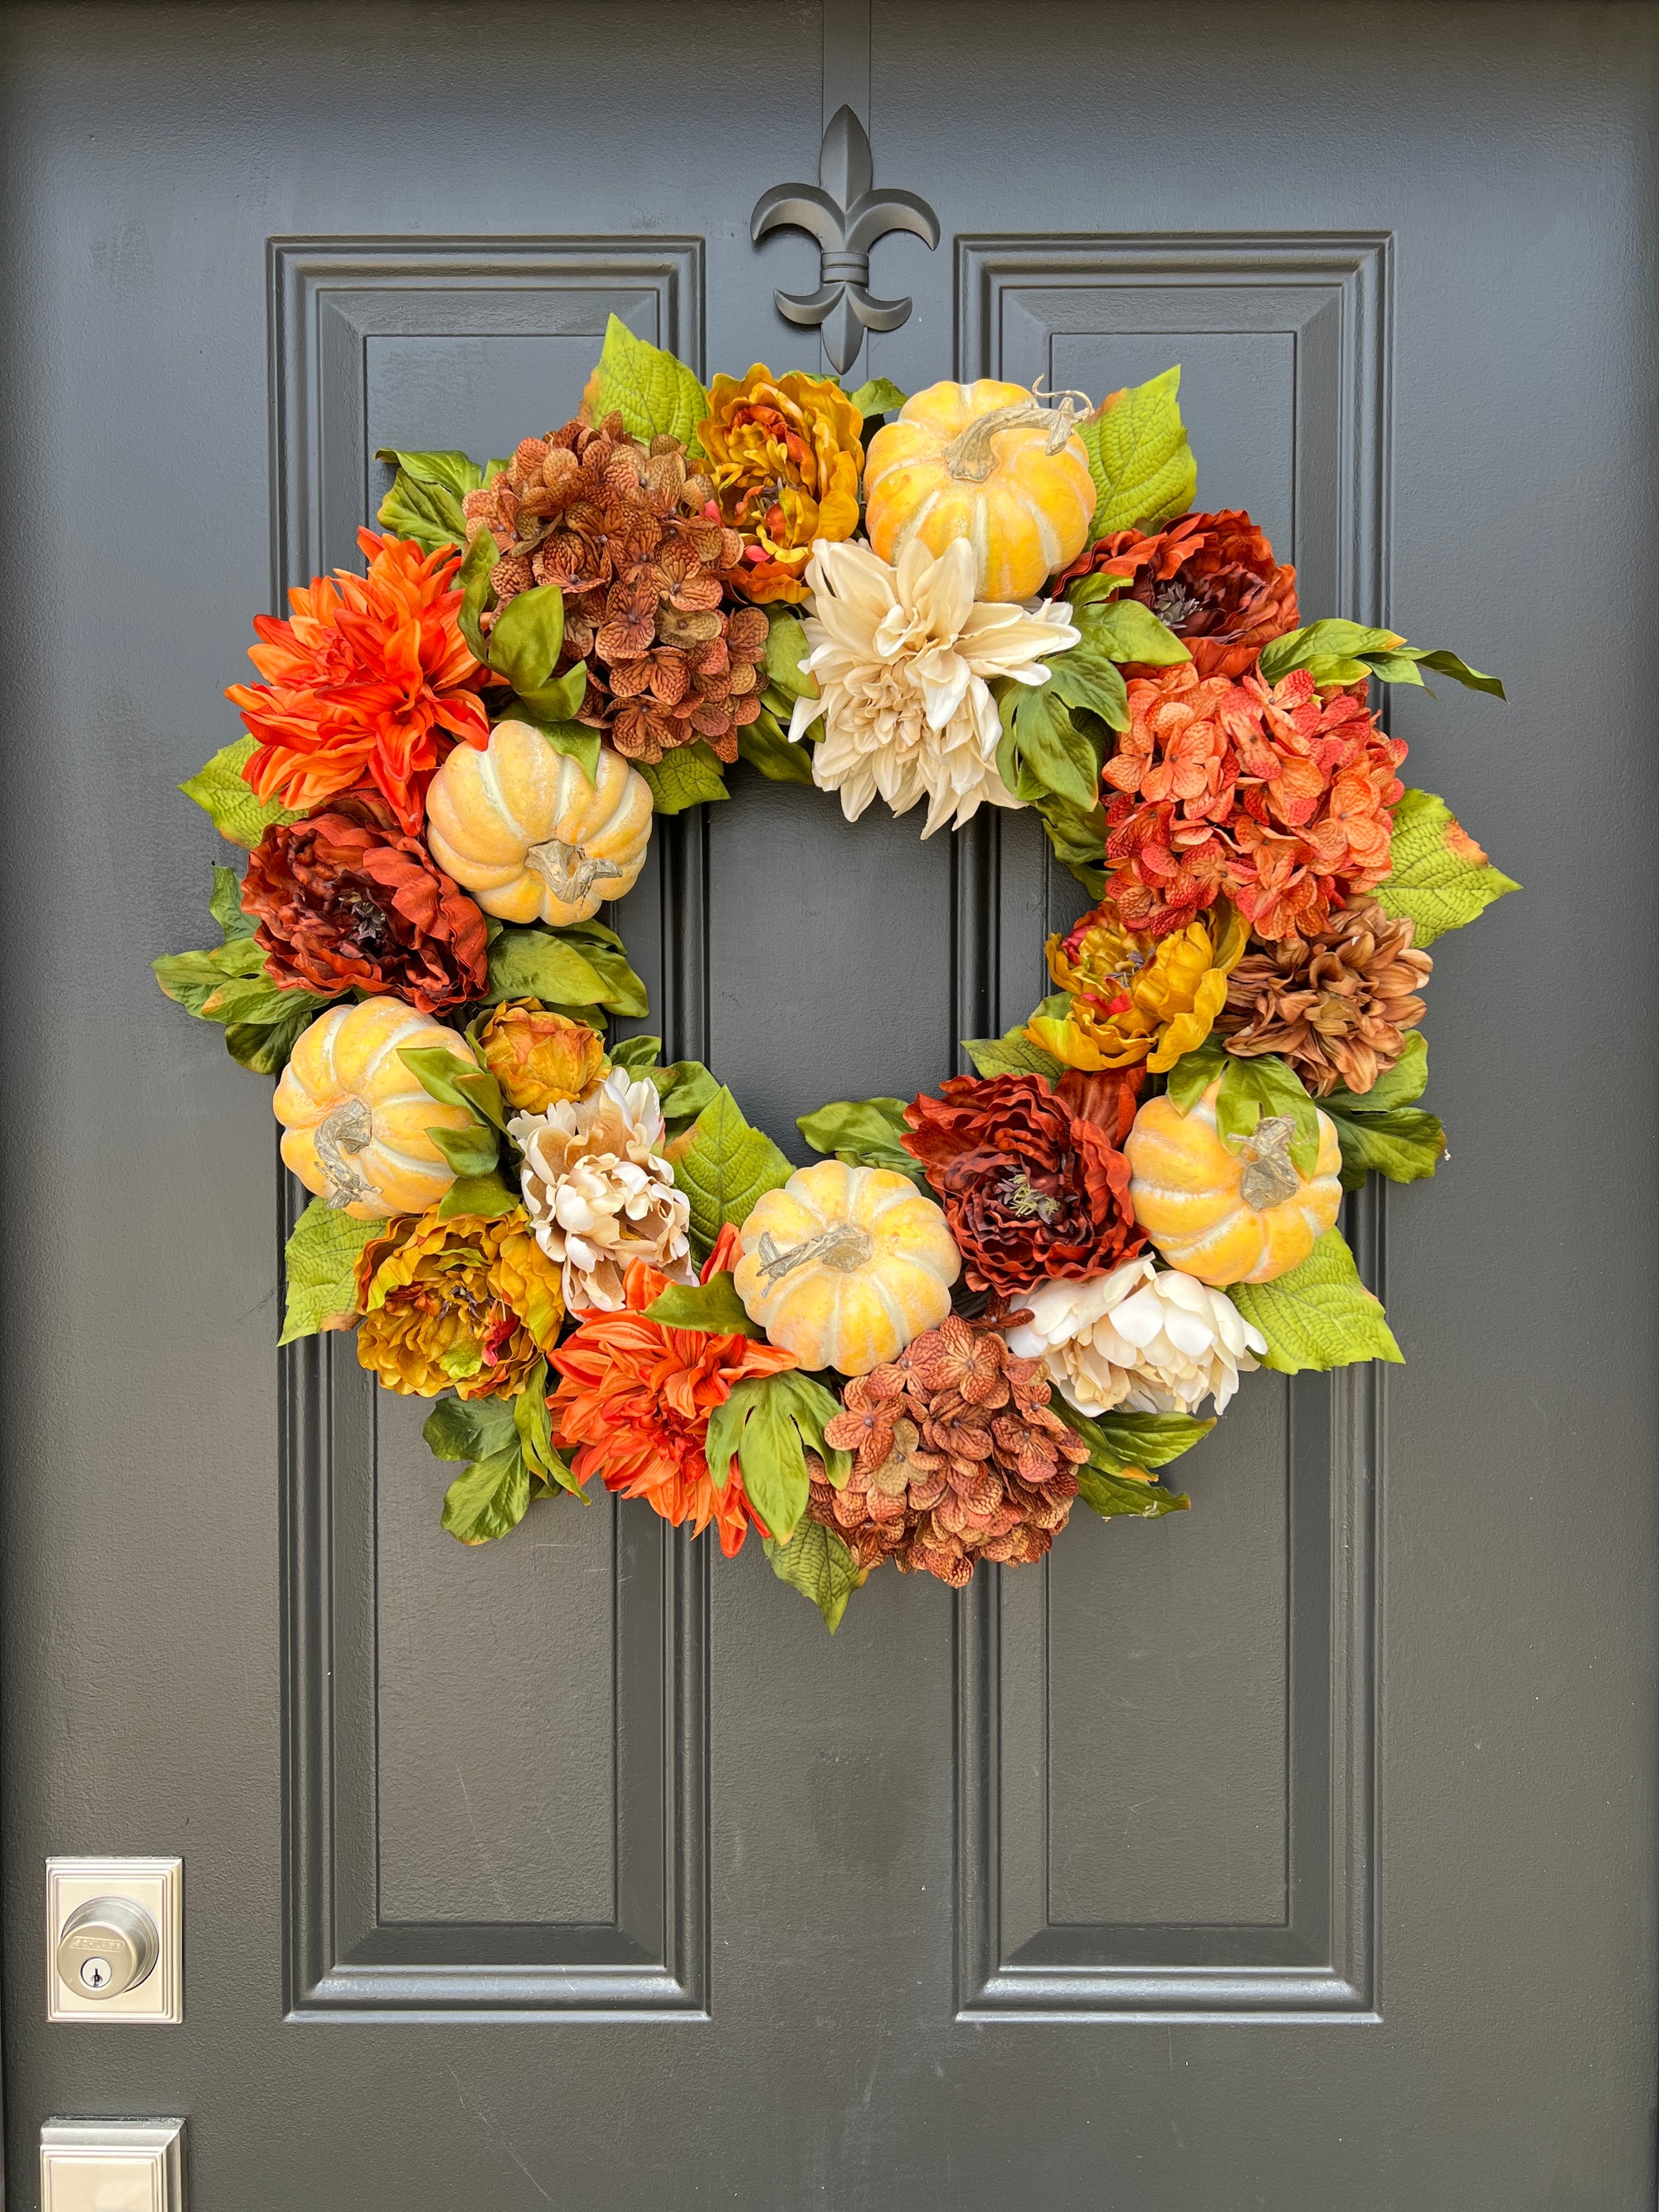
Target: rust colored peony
{"x": 1032, "y": 1179}
{"x": 1273, "y": 796}
{"x": 459, "y": 1304}
{"x": 958, "y": 1458}
{"x": 345, "y": 902}
{"x": 1210, "y": 578}
{"x": 785, "y": 454}
{"x": 370, "y": 677}
{"x": 540, "y": 1058}
{"x": 634, "y": 1400}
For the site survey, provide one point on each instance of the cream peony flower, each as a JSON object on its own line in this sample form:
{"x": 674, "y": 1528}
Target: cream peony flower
{"x": 901, "y": 657}
{"x": 598, "y": 1195}
{"x": 1151, "y": 1342}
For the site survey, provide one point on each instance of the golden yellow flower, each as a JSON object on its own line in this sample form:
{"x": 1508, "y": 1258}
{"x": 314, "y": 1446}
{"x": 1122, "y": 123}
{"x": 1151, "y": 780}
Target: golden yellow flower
{"x": 539, "y": 1057}
{"x": 785, "y": 454}
{"x": 463, "y": 1304}
{"x": 1134, "y": 998}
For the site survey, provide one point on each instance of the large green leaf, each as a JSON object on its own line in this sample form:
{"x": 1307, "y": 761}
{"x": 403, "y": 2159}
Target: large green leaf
{"x": 1044, "y": 750}
{"x": 769, "y": 1424}
{"x": 1400, "y": 1142}
{"x": 534, "y": 1429}
{"x": 1119, "y": 1441}
{"x": 638, "y": 1055}
{"x": 470, "y": 1153}
{"x": 538, "y": 963}
{"x": 1336, "y": 652}
{"x": 879, "y": 395}
{"x": 424, "y": 503}
{"x": 685, "y": 1088}
{"x": 764, "y": 745}
{"x": 524, "y": 642}
{"x": 1109, "y": 1495}
{"x": 1253, "y": 1090}
{"x": 477, "y": 596}
{"x": 1139, "y": 457}
{"x": 1319, "y": 1316}
{"x": 461, "y": 1428}
{"x": 714, "y": 1307}
{"x": 688, "y": 776}
{"x": 222, "y": 792}
{"x": 1078, "y": 835}
{"x": 1440, "y": 878}
{"x": 262, "y": 1022}
{"x": 1124, "y": 630}
{"x": 445, "y": 1076}
{"x": 785, "y": 655}
{"x": 489, "y": 1500}
{"x": 226, "y": 905}
{"x": 485, "y": 1196}
{"x": 865, "y": 1132}
{"x": 321, "y": 1267}
{"x": 553, "y": 705}
{"x": 816, "y": 1562}
{"x": 725, "y": 1168}
{"x": 655, "y": 394}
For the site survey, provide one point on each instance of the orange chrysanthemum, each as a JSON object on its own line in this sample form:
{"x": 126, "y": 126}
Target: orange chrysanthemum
{"x": 635, "y": 1399}
{"x": 370, "y": 677}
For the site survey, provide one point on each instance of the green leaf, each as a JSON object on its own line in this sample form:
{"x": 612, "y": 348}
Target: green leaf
{"x": 1050, "y": 751}
{"x": 1123, "y": 629}
{"x": 1078, "y": 836}
{"x": 471, "y": 1153}
{"x": 1256, "y": 1089}
{"x": 816, "y": 1562}
{"x": 453, "y": 1081}
{"x": 654, "y": 393}
{"x": 684, "y": 1089}
{"x": 226, "y": 905}
{"x": 785, "y": 655}
{"x": 424, "y": 503}
{"x": 878, "y": 396}
{"x": 1113, "y": 1494}
{"x": 770, "y": 1422}
{"x": 461, "y": 1428}
{"x": 525, "y": 642}
{"x": 1333, "y": 640}
{"x": 320, "y": 1260}
{"x": 685, "y": 777}
{"x": 1441, "y": 878}
{"x": 220, "y": 791}
{"x": 724, "y": 1169}
{"x": 1319, "y": 1316}
{"x": 477, "y": 596}
{"x": 1447, "y": 663}
{"x": 1400, "y": 1142}
{"x": 536, "y": 963}
{"x": 1012, "y": 1054}
{"x": 553, "y": 705}
{"x": 1195, "y": 1072}
{"x": 228, "y": 985}
{"x": 262, "y": 1036}
{"x": 764, "y": 745}
{"x": 487, "y": 1195}
{"x": 579, "y": 741}
{"x": 489, "y": 1500}
{"x": 534, "y": 1430}
{"x": 714, "y": 1307}
{"x": 638, "y": 1054}
{"x": 1118, "y": 1442}
{"x": 1089, "y": 676}
{"x": 1139, "y": 457}
{"x": 865, "y": 1132}
{"x": 1402, "y": 1085}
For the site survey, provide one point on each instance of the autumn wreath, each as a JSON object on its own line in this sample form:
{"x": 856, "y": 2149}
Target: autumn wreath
{"x": 979, "y": 1305}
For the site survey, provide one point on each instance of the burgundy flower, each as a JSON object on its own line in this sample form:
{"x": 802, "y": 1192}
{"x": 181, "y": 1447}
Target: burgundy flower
{"x": 1210, "y": 578}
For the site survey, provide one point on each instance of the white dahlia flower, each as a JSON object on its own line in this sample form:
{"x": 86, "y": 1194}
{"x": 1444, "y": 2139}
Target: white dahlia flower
{"x": 903, "y": 656}
{"x": 1146, "y": 1340}
{"x": 598, "y": 1194}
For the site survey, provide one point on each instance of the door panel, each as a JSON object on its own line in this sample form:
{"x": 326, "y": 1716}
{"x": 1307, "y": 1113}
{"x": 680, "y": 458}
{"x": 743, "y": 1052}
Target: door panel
{"x": 1298, "y": 1851}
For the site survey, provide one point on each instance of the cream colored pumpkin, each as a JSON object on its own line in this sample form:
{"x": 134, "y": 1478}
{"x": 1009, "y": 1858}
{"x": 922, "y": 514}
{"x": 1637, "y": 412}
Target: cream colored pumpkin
{"x": 1229, "y": 1217}
{"x": 988, "y": 462}
{"x": 354, "y": 1118}
{"x": 843, "y": 1266}
{"x": 521, "y": 828}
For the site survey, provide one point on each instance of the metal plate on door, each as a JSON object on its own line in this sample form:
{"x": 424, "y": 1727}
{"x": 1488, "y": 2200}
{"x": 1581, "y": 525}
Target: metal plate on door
{"x": 112, "y": 2165}
{"x": 115, "y": 1940}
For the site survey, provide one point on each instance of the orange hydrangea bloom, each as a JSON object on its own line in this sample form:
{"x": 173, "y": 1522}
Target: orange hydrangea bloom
{"x": 1273, "y": 794}
{"x": 370, "y": 677}
{"x": 634, "y": 1398}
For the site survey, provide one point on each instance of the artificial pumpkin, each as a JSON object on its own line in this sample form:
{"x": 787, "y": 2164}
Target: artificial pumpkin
{"x": 844, "y": 1265}
{"x": 989, "y": 462}
{"x": 354, "y": 1118}
{"x": 1227, "y": 1217}
{"x": 520, "y": 827}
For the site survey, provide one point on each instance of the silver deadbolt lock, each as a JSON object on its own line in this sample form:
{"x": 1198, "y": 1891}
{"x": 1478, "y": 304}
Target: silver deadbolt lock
{"x": 108, "y": 1946}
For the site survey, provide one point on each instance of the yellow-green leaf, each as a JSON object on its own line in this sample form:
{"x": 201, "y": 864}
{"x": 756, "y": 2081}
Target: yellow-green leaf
{"x": 685, "y": 777}
{"x": 1441, "y": 878}
{"x": 1320, "y": 1316}
{"x": 1139, "y": 457}
{"x": 655, "y": 394}
{"x": 222, "y": 792}
{"x": 816, "y": 1562}
{"x": 725, "y": 1168}
{"x": 321, "y": 1264}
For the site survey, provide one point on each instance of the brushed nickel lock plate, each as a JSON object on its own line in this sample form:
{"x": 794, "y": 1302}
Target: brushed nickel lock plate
{"x": 115, "y": 1941}
{"x": 112, "y": 2165}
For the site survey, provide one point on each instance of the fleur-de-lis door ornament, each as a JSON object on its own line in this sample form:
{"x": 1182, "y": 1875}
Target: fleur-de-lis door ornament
{"x": 846, "y": 215}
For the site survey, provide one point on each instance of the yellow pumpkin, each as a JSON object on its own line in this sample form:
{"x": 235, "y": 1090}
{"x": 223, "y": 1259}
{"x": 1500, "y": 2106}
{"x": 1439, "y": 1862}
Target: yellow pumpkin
{"x": 988, "y": 462}
{"x": 522, "y": 829}
{"x": 1229, "y": 1217}
{"x": 843, "y": 1266}
{"x": 354, "y": 1119}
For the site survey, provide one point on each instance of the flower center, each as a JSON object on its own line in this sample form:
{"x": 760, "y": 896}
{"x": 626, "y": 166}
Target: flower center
{"x": 845, "y": 1247}
{"x": 1023, "y": 1200}
{"x": 1174, "y": 604}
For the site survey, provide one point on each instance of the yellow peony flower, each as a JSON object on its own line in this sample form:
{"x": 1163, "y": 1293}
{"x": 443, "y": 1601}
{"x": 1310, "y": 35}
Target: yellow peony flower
{"x": 463, "y": 1304}
{"x": 1134, "y": 998}
{"x": 785, "y": 454}
{"x": 539, "y": 1057}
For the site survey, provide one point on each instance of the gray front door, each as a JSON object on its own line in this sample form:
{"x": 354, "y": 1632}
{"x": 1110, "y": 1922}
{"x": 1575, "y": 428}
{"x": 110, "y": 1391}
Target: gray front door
{"x": 1297, "y": 1851}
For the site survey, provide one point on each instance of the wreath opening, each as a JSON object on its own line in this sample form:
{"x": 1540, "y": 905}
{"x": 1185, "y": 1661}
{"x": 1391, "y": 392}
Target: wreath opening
{"x": 979, "y": 1305}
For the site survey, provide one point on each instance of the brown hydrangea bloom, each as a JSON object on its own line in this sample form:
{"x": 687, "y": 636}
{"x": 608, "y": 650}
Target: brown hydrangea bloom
{"x": 1210, "y": 578}
{"x": 958, "y": 1458}
{"x": 631, "y": 538}
{"x": 1033, "y": 1178}
{"x": 1336, "y": 1007}
{"x": 345, "y": 901}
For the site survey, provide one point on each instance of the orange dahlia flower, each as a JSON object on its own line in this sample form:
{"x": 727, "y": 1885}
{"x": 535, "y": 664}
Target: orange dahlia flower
{"x": 634, "y": 1398}
{"x": 370, "y": 677}
{"x": 1270, "y": 794}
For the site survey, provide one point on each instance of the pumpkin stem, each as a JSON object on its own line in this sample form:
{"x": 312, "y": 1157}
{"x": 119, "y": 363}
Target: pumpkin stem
{"x": 846, "y": 1247}
{"x": 971, "y": 456}
{"x": 568, "y": 872}
{"x": 1270, "y": 1178}
{"x": 348, "y": 1128}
